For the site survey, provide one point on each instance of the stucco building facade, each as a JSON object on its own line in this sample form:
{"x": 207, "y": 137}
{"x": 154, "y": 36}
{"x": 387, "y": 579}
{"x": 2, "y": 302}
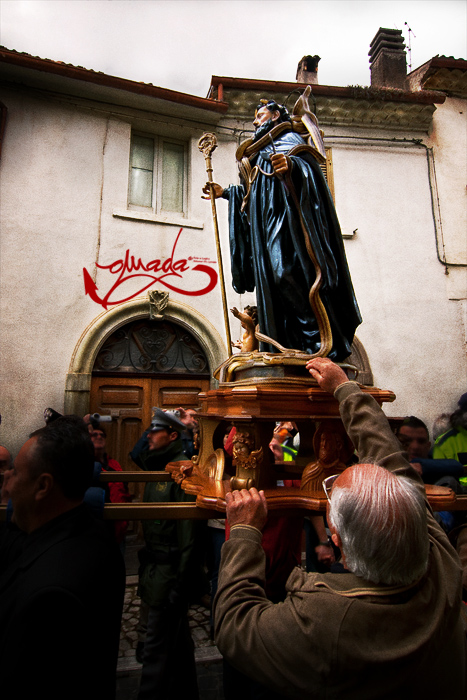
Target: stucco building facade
{"x": 100, "y": 193}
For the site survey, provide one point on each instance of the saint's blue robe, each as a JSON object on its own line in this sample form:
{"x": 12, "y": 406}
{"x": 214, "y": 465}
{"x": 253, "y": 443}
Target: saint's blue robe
{"x": 268, "y": 253}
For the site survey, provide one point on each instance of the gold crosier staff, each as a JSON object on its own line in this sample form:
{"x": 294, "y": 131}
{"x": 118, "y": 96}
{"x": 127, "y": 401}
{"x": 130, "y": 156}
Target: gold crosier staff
{"x": 207, "y": 144}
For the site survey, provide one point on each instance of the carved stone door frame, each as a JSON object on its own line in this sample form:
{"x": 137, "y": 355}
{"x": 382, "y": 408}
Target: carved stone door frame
{"x": 78, "y": 379}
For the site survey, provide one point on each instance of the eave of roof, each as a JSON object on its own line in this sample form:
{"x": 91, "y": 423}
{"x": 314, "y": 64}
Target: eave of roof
{"x": 443, "y": 73}
{"x": 84, "y": 75}
{"x": 352, "y": 92}
{"x": 449, "y": 62}
{"x": 356, "y": 106}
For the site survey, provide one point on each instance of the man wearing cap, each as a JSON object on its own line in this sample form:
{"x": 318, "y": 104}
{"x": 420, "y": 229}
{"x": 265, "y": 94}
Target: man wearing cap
{"x": 170, "y": 573}
{"x": 389, "y": 626}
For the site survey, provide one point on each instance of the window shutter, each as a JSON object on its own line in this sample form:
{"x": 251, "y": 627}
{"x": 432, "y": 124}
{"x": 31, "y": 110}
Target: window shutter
{"x": 141, "y": 171}
{"x": 173, "y": 167}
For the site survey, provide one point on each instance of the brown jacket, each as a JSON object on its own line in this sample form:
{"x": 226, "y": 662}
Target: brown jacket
{"x": 337, "y": 635}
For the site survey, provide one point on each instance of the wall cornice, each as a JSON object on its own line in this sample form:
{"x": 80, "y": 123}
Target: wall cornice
{"x": 363, "y": 107}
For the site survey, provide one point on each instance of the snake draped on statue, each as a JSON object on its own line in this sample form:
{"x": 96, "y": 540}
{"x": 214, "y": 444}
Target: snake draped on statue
{"x": 272, "y": 224}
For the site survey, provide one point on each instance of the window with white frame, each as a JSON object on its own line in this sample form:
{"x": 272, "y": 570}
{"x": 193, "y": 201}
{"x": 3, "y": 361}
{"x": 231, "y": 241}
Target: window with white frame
{"x": 158, "y": 178}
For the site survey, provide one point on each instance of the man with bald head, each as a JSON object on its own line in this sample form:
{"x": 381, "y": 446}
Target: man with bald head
{"x": 388, "y": 627}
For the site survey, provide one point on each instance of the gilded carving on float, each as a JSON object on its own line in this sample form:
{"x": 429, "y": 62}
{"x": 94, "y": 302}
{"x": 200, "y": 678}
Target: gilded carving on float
{"x": 215, "y": 465}
{"x": 333, "y": 450}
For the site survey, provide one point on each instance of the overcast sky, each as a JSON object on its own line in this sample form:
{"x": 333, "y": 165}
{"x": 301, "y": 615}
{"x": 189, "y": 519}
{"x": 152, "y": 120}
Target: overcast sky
{"x": 179, "y": 44}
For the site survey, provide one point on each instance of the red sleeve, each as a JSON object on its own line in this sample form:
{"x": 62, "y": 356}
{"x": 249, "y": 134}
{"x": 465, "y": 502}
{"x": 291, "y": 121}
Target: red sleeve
{"x": 118, "y": 492}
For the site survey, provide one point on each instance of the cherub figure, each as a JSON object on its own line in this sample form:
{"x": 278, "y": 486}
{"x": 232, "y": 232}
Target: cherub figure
{"x": 249, "y": 320}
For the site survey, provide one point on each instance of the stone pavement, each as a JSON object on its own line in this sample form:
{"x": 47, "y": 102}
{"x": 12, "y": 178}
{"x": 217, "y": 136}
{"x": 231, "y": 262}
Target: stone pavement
{"x": 198, "y": 618}
{"x": 208, "y": 658}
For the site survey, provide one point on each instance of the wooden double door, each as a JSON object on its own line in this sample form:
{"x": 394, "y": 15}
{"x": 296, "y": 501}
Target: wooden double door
{"x": 129, "y": 401}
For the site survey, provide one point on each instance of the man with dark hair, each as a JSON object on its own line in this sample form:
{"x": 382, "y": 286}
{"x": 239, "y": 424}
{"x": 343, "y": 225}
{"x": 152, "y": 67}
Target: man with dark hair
{"x": 391, "y": 625}
{"x": 285, "y": 239}
{"x": 189, "y": 419}
{"x": 71, "y": 469}
{"x": 170, "y": 573}
{"x": 61, "y": 577}
{"x": 414, "y": 438}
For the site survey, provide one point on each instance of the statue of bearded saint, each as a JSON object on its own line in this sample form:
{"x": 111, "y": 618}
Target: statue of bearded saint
{"x": 285, "y": 239}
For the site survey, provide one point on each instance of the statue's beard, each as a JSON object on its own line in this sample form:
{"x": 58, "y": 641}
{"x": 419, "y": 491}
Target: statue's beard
{"x": 263, "y": 129}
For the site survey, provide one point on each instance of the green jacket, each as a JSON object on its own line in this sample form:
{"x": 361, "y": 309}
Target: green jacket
{"x": 452, "y": 445}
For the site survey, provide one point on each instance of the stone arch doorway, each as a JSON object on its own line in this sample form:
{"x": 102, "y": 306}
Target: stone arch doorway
{"x": 126, "y": 362}
{"x": 143, "y": 364}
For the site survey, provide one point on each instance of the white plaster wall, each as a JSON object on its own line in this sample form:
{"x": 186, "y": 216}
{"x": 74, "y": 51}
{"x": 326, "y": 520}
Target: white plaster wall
{"x": 149, "y": 241}
{"x": 64, "y": 172}
{"x": 448, "y": 139}
{"x": 412, "y": 331}
{"x": 50, "y": 192}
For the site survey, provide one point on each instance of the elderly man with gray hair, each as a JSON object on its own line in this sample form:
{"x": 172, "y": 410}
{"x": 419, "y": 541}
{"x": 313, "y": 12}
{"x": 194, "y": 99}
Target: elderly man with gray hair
{"x": 391, "y": 625}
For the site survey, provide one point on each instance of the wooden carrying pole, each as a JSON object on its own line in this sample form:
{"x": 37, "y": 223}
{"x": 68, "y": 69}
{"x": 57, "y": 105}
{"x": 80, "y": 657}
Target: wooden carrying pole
{"x": 207, "y": 144}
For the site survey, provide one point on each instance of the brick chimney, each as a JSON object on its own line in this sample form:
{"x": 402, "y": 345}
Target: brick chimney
{"x": 307, "y": 70}
{"x": 388, "y": 63}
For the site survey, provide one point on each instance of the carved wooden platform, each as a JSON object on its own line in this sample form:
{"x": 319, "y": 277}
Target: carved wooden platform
{"x": 284, "y": 500}
{"x": 254, "y": 410}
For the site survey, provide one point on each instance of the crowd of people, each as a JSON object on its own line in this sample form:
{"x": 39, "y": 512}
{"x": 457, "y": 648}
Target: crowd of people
{"x": 380, "y": 605}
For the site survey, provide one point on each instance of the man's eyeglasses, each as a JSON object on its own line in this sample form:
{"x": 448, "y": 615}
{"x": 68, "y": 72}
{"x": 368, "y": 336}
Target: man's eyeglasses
{"x": 328, "y": 484}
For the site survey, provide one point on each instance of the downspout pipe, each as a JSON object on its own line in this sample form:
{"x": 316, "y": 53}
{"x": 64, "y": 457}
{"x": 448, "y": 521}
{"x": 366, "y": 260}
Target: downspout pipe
{"x": 435, "y": 206}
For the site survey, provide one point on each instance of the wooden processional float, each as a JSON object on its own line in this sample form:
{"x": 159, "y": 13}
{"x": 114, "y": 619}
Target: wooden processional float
{"x": 257, "y": 389}
{"x": 266, "y": 389}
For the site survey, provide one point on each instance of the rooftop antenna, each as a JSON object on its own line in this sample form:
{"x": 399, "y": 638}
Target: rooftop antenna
{"x": 410, "y": 45}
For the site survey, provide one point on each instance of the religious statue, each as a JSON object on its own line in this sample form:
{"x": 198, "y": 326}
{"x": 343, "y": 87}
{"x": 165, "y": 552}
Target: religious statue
{"x": 333, "y": 450}
{"x": 285, "y": 239}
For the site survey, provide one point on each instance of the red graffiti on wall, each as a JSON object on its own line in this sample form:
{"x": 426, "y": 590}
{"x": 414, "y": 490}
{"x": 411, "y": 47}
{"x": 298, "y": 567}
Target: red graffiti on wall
{"x": 128, "y": 268}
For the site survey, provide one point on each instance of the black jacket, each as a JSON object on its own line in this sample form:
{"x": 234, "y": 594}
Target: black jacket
{"x": 61, "y": 597}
